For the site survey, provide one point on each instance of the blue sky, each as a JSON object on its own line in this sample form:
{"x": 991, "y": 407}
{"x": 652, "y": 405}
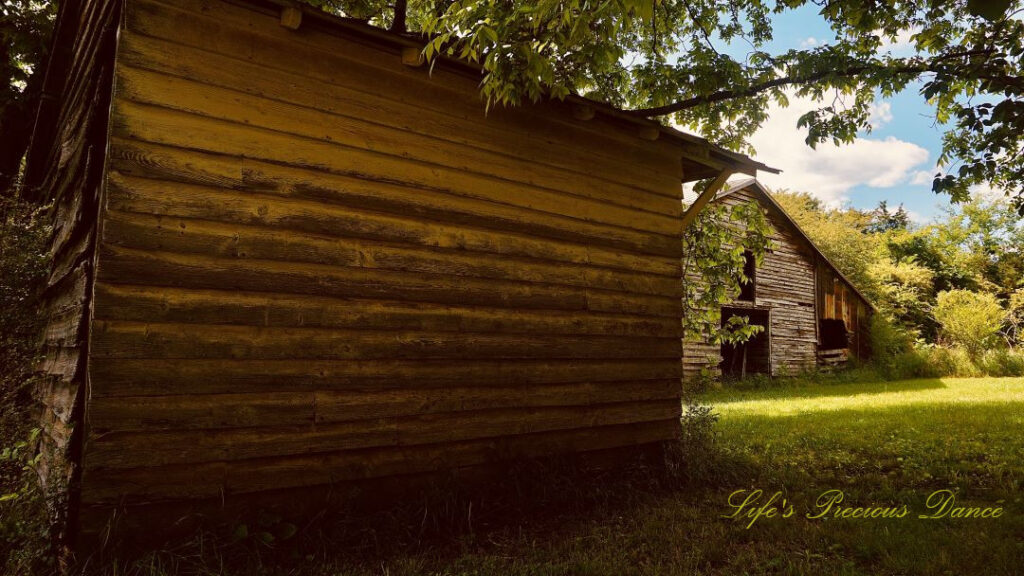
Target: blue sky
{"x": 895, "y": 162}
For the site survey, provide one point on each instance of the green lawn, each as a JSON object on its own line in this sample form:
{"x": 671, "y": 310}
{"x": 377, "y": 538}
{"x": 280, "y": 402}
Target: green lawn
{"x": 882, "y": 444}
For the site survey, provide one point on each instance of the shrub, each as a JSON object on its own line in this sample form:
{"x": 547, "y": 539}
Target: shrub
{"x": 692, "y": 458}
{"x": 970, "y": 319}
{"x": 890, "y": 344}
{"x": 1002, "y": 362}
{"x": 23, "y": 265}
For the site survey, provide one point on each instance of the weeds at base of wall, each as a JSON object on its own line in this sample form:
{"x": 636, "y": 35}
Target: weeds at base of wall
{"x": 448, "y": 517}
{"x": 444, "y": 520}
{"x": 24, "y": 535}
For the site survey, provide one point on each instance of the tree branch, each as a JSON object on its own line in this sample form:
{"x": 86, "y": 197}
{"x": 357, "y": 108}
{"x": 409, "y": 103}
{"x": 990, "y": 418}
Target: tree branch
{"x": 935, "y": 65}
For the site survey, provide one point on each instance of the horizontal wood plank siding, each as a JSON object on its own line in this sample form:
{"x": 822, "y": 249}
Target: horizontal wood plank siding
{"x": 785, "y": 284}
{"x": 319, "y": 264}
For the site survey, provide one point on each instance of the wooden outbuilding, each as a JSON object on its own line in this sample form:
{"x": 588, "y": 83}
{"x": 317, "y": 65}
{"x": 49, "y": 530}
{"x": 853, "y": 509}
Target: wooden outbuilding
{"x": 287, "y": 255}
{"x": 812, "y": 314}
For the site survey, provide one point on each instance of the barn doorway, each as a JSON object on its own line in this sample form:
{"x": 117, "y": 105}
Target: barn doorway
{"x": 754, "y": 355}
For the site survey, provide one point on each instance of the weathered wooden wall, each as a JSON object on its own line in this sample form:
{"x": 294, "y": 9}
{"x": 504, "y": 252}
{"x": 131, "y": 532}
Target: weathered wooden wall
{"x": 838, "y": 300}
{"x": 784, "y": 284}
{"x": 65, "y": 166}
{"x": 319, "y": 264}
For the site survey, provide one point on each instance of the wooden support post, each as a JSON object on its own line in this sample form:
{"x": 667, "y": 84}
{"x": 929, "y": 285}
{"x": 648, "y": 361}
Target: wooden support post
{"x": 291, "y": 17}
{"x": 706, "y": 196}
{"x": 412, "y": 56}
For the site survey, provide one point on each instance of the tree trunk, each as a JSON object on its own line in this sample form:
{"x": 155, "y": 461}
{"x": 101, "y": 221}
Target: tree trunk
{"x": 16, "y": 123}
{"x": 398, "y": 24}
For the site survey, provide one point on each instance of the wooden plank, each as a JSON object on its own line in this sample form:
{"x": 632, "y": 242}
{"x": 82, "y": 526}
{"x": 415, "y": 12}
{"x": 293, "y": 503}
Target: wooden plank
{"x": 168, "y": 127}
{"x": 477, "y": 131}
{"x": 160, "y": 304}
{"x": 137, "y": 166}
{"x": 358, "y": 132}
{"x": 191, "y": 412}
{"x": 122, "y": 265}
{"x": 128, "y": 450}
{"x": 702, "y": 200}
{"x": 114, "y": 339}
{"x": 129, "y": 377}
{"x": 190, "y": 236}
{"x": 108, "y": 486}
{"x": 244, "y": 33}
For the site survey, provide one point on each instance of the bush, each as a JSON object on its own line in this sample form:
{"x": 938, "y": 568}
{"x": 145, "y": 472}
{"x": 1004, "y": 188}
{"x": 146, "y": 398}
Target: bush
{"x": 890, "y": 345}
{"x": 897, "y": 357}
{"x": 970, "y": 319}
{"x": 24, "y": 236}
{"x": 1002, "y": 362}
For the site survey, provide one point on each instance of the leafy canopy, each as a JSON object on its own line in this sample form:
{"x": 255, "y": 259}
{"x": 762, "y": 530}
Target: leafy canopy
{"x": 667, "y": 58}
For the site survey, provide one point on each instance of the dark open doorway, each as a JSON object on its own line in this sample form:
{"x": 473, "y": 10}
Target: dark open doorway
{"x": 754, "y": 355}
{"x": 748, "y": 286}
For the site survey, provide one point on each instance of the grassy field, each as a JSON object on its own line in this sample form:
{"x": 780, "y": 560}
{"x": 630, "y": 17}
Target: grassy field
{"x": 882, "y": 444}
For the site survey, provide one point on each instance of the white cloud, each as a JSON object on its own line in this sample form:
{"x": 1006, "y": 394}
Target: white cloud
{"x": 809, "y": 42}
{"x": 900, "y": 45}
{"x": 987, "y": 192}
{"x": 915, "y": 217}
{"x": 830, "y": 172}
{"x": 922, "y": 177}
{"x": 881, "y": 114}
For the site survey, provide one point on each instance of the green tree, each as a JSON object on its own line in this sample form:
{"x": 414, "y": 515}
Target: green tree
{"x": 713, "y": 266}
{"x": 664, "y": 58}
{"x": 970, "y": 320}
{"x": 24, "y": 38}
{"x": 987, "y": 240}
{"x": 906, "y": 294}
{"x": 883, "y": 221}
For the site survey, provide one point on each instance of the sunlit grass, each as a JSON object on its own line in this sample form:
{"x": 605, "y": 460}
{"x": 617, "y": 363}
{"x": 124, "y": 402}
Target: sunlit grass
{"x": 869, "y": 397}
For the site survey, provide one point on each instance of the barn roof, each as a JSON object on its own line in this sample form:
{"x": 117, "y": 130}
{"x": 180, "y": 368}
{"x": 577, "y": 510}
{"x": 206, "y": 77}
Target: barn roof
{"x": 753, "y": 185}
{"x": 700, "y": 158}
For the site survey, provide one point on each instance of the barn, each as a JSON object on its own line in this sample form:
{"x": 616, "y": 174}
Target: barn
{"x": 287, "y": 255}
{"x": 813, "y": 316}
